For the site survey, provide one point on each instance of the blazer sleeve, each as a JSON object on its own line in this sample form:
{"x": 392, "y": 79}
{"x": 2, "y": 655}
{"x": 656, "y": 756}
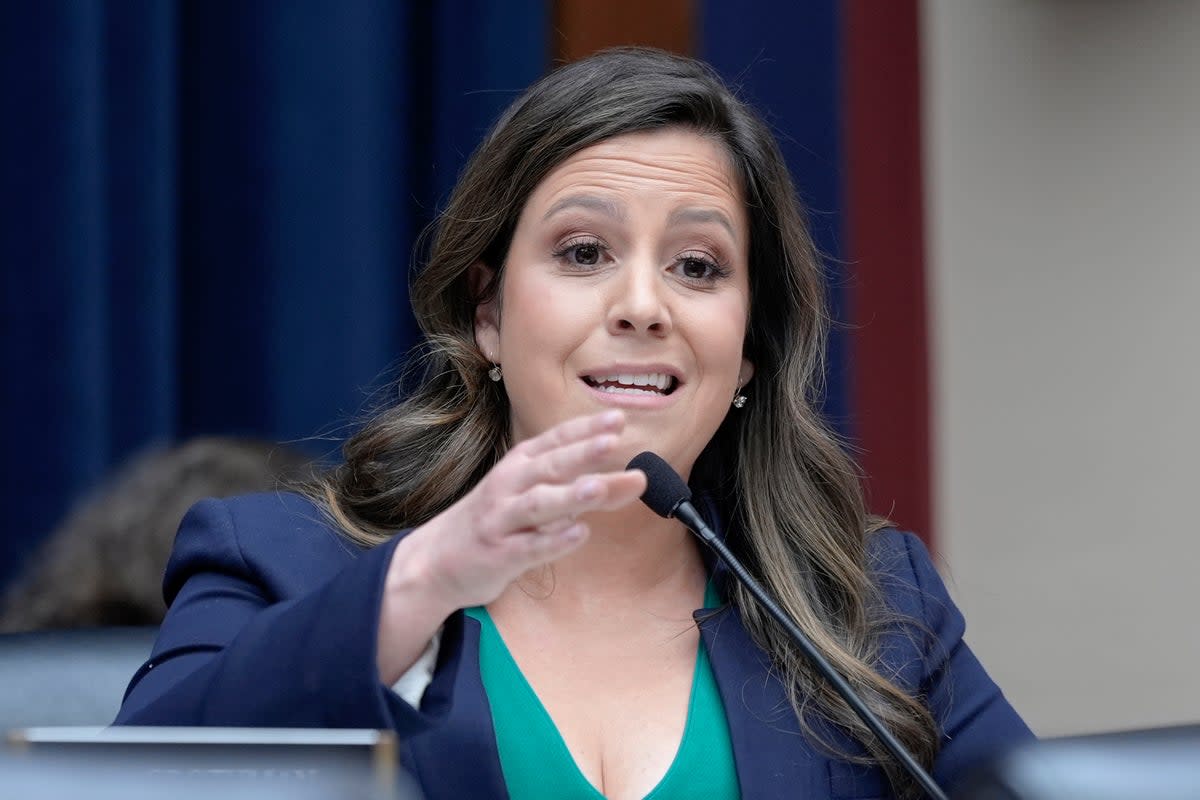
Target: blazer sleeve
{"x": 975, "y": 718}
{"x": 231, "y": 652}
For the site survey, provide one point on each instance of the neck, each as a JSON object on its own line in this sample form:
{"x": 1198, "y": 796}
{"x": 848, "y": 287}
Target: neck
{"x": 629, "y": 555}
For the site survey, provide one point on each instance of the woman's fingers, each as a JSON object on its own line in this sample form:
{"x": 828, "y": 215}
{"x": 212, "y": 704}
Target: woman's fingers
{"x": 571, "y": 431}
{"x": 566, "y": 463}
{"x": 544, "y": 503}
{"x": 527, "y": 510}
{"x": 554, "y": 539}
{"x": 540, "y": 547}
{"x": 556, "y": 526}
{"x": 623, "y": 488}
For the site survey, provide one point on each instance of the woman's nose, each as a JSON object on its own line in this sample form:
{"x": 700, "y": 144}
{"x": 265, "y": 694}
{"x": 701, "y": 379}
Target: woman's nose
{"x": 639, "y": 304}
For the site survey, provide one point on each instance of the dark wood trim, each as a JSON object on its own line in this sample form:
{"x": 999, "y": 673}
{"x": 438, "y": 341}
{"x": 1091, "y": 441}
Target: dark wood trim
{"x": 581, "y": 27}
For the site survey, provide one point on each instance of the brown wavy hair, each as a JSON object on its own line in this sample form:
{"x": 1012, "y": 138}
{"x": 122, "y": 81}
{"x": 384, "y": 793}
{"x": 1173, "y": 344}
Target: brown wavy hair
{"x": 791, "y": 496}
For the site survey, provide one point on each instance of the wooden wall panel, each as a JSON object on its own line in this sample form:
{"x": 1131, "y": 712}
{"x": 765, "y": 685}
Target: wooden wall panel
{"x": 581, "y": 27}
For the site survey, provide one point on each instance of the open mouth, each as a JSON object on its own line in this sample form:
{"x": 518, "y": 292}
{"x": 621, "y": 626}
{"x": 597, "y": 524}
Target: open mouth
{"x": 653, "y": 383}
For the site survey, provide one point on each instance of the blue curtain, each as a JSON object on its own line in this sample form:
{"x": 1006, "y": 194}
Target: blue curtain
{"x": 207, "y": 212}
{"x": 787, "y": 61}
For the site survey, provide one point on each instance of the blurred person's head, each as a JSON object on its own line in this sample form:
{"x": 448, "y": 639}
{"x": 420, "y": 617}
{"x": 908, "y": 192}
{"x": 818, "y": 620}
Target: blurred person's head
{"x": 104, "y": 564}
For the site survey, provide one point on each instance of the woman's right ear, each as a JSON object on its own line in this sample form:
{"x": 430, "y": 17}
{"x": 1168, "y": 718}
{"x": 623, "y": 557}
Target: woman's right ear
{"x": 480, "y": 280}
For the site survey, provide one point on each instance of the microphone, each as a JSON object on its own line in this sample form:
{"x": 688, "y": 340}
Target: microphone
{"x": 668, "y": 496}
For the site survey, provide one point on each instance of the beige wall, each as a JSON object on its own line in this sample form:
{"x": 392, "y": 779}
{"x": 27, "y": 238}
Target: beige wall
{"x": 1063, "y": 185}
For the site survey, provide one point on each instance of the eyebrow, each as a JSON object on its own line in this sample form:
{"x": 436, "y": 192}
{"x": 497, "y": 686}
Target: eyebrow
{"x": 609, "y": 208}
{"x": 702, "y": 215}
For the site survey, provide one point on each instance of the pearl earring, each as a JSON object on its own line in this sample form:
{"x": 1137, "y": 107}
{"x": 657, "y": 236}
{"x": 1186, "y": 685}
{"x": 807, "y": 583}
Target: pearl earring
{"x": 495, "y": 374}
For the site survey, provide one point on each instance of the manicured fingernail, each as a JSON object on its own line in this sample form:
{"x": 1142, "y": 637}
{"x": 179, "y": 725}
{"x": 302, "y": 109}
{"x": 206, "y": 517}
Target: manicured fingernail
{"x": 588, "y": 490}
{"x": 574, "y": 533}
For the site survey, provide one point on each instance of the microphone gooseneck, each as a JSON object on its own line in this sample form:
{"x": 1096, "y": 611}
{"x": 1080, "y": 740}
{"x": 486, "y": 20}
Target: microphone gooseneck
{"x": 668, "y": 496}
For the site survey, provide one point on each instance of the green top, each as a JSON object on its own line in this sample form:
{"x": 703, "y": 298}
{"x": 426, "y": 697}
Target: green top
{"x": 535, "y": 759}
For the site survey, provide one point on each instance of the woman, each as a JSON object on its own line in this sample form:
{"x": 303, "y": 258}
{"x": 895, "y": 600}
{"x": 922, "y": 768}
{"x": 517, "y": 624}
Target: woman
{"x": 622, "y": 267}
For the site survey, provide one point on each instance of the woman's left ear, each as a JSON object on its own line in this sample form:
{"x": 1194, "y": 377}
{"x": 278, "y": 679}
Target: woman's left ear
{"x": 487, "y": 313}
{"x": 745, "y": 373}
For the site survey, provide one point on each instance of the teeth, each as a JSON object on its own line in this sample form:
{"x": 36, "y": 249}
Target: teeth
{"x": 624, "y": 390}
{"x": 658, "y": 380}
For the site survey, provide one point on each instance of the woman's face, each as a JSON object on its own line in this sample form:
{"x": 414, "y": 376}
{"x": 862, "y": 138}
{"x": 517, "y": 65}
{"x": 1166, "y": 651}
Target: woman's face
{"x": 627, "y": 286}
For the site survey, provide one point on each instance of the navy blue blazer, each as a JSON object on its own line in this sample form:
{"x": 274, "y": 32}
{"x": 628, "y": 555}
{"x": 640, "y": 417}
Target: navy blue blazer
{"x": 273, "y": 618}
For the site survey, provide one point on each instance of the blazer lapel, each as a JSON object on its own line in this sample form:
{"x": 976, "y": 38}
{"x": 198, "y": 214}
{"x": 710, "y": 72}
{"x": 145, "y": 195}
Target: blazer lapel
{"x": 459, "y": 758}
{"x": 773, "y": 757}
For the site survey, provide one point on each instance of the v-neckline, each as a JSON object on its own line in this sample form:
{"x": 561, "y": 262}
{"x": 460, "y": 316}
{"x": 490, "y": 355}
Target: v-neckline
{"x": 531, "y": 698}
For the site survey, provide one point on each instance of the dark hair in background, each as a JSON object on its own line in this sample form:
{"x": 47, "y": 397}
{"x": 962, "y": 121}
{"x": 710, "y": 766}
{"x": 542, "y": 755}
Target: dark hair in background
{"x": 792, "y": 497}
{"x": 104, "y": 565}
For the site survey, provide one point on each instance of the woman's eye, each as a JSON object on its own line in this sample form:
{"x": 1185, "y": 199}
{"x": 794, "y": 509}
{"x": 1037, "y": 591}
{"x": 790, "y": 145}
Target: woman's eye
{"x": 696, "y": 268}
{"x": 701, "y": 270}
{"x": 581, "y": 254}
{"x": 587, "y": 255}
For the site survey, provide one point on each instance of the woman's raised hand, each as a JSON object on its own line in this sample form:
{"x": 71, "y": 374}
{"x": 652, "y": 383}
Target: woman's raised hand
{"x": 524, "y": 512}
{"x": 521, "y": 515}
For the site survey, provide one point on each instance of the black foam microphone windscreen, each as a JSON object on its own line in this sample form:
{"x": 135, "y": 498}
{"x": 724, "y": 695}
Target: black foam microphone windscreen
{"x": 665, "y": 490}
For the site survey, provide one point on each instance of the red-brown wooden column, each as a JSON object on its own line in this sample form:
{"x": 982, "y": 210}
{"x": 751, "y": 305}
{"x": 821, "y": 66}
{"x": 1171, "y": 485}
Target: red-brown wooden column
{"x": 886, "y": 249}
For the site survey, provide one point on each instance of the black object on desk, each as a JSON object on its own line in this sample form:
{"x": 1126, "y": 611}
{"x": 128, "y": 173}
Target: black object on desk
{"x": 1158, "y": 763}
